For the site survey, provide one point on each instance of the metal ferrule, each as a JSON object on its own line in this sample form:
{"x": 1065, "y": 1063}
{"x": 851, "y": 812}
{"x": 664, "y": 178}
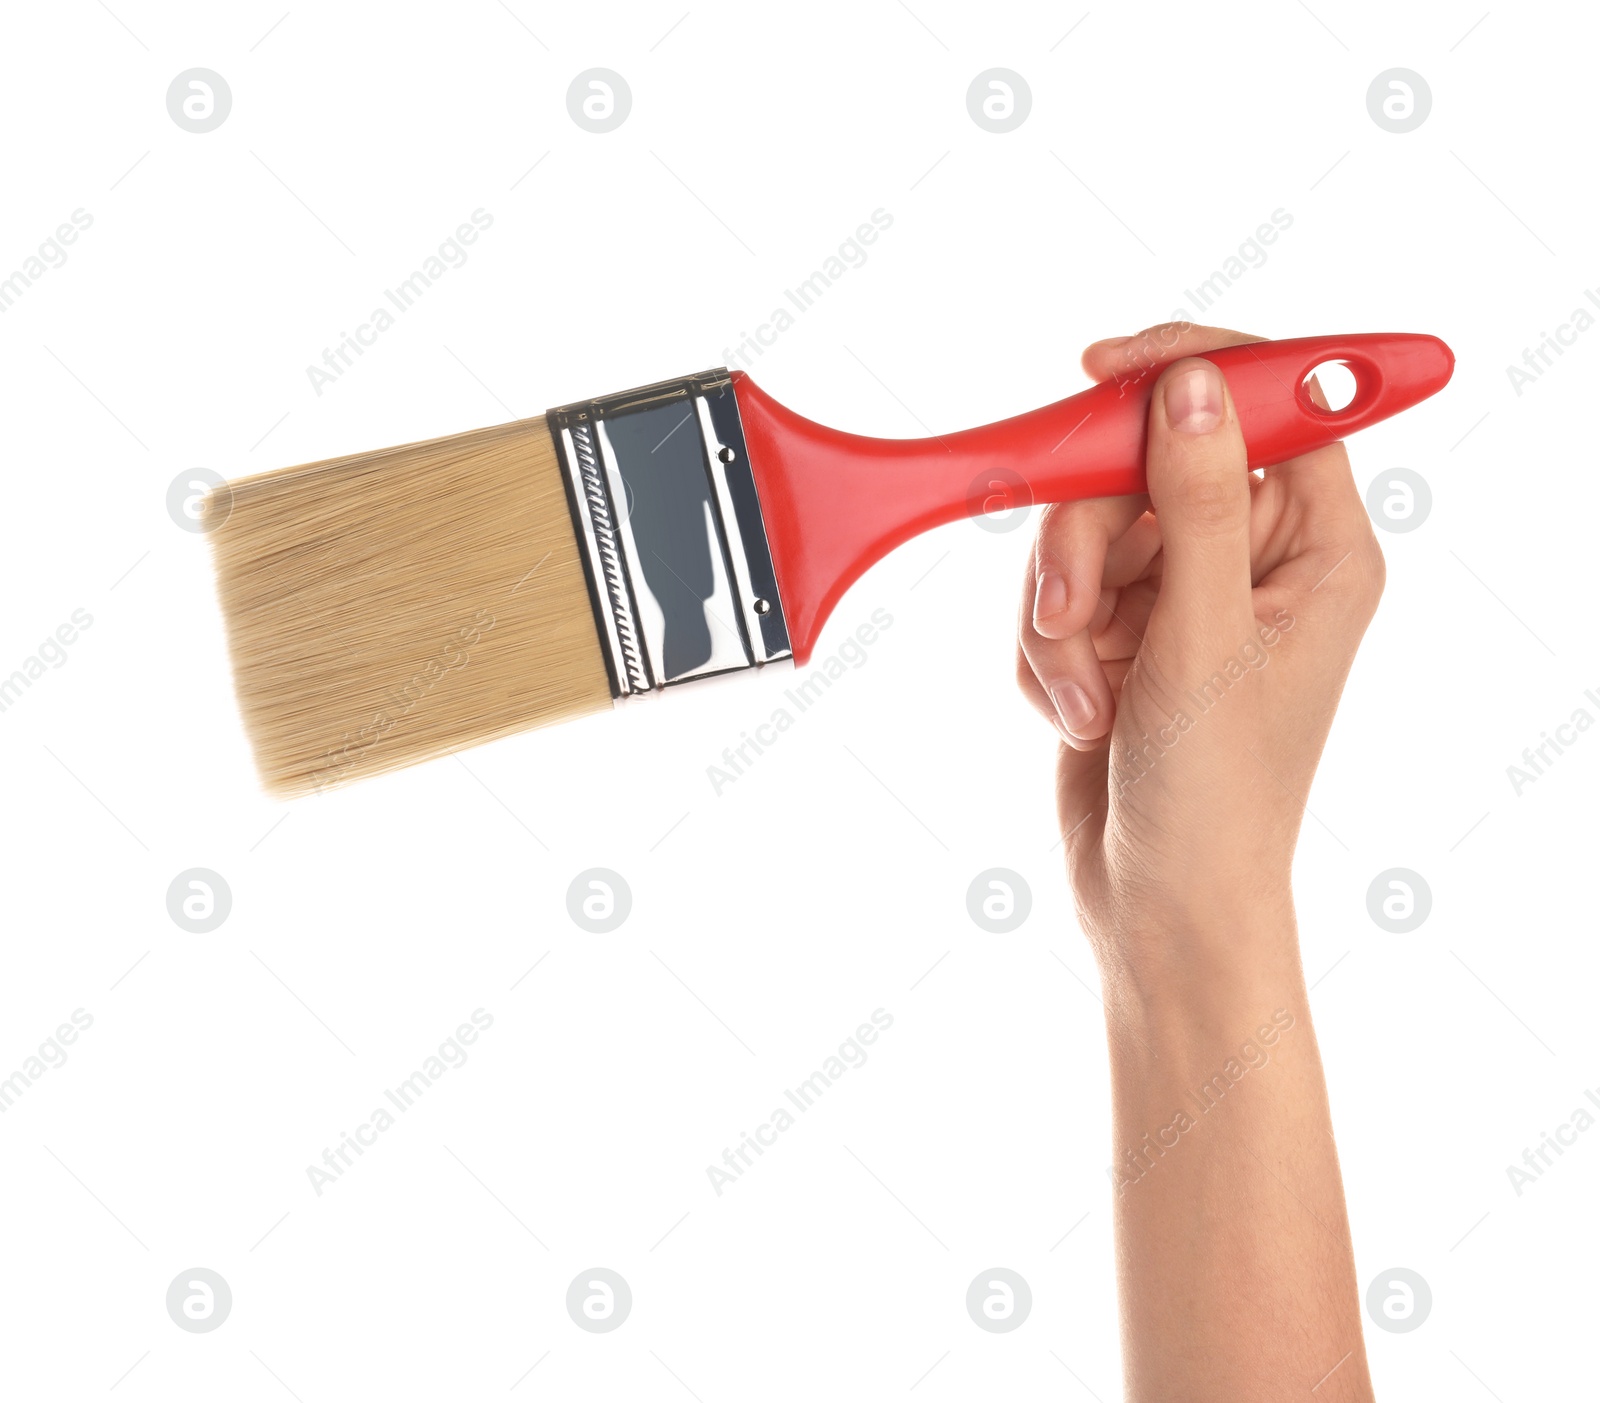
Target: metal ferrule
{"x": 665, "y": 506}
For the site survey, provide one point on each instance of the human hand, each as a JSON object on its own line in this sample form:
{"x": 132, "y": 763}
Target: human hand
{"x": 1190, "y": 647}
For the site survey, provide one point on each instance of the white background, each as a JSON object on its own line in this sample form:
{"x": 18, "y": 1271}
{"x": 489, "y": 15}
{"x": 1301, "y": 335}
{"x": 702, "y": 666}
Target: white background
{"x": 769, "y": 921}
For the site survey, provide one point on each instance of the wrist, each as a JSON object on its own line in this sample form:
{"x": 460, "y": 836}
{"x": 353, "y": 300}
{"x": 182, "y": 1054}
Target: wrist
{"x": 1169, "y": 966}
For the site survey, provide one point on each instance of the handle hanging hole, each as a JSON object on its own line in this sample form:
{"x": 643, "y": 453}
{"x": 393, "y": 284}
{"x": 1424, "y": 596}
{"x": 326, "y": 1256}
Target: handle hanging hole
{"x": 1338, "y": 384}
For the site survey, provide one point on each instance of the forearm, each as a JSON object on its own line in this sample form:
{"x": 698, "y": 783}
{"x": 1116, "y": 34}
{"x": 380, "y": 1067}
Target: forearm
{"x": 1235, "y": 1268}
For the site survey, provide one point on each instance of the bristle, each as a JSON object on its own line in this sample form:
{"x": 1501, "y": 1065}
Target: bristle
{"x": 388, "y": 607}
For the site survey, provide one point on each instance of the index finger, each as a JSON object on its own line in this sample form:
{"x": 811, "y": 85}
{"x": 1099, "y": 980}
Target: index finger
{"x": 1155, "y": 346}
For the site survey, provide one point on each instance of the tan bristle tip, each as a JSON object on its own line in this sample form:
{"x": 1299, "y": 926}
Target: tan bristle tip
{"x": 389, "y": 607}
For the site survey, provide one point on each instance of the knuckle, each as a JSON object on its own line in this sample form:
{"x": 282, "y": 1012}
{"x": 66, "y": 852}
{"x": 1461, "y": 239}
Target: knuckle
{"x": 1166, "y": 333}
{"x": 1169, "y": 335}
{"x": 1209, "y": 501}
{"x": 1055, "y": 524}
{"x": 1371, "y": 573}
{"x": 1156, "y": 344}
{"x": 1025, "y": 677}
{"x": 1357, "y": 581}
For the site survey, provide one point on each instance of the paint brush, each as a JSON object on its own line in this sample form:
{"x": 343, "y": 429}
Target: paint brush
{"x": 388, "y": 607}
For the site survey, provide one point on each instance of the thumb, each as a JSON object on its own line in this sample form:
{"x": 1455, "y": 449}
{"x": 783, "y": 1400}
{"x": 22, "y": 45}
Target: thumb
{"x": 1200, "y": 489}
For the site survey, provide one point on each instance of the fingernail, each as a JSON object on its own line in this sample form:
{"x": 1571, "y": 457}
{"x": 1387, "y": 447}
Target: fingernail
{"x": 1049, "y": 599}
{"x": 1073, "y": 707}
{"x": 1111, "y": 343}
{"x": 1193, "y": 399}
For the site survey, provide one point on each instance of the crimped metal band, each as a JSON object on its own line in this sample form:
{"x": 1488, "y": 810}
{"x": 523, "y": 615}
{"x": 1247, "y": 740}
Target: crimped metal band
{"x": 666, "y": 508}
{"x": 607, "y": 550}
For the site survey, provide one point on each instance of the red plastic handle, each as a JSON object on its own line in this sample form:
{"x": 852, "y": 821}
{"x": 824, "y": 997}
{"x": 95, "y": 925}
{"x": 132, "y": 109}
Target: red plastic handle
{"x": 835, "y": 503}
